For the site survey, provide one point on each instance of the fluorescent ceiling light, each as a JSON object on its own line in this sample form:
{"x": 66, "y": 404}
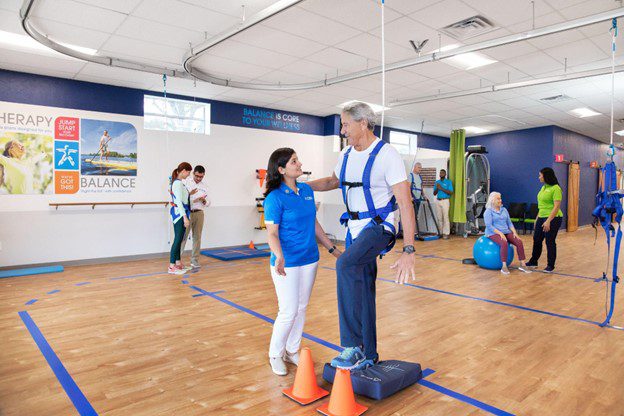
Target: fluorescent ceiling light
{"x": 620, "y": 132}
{"x": 583, "y": 112}
{"x": 475, "y": 130}
{"x": 26, "y": 42}
{"x": 376, "y": 107}
{"x": 468, "y": 61}
{"x": 449, "y": 47}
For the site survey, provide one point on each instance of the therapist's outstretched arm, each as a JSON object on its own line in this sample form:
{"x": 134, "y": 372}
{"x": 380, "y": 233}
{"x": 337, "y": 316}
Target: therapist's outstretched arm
{"x": 405, "y": 264}
{"x": 328, "y": 183}
{"x": 324, "y": 240}
{"x": 276, "y": 248}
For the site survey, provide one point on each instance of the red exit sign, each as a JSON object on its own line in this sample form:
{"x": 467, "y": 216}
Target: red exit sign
{"x": 558, "y": 158}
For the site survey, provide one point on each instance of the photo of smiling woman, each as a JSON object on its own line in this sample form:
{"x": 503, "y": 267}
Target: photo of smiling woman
{"x": 290, "y": 217}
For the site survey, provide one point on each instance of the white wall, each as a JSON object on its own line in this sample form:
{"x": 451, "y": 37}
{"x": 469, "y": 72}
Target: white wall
{"x": 31, "y": 232}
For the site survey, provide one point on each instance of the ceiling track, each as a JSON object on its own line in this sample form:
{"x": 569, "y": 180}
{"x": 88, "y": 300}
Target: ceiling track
{"x": 191, "y": 72}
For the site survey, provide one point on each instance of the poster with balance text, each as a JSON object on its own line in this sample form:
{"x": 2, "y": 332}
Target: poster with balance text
{"x": 47, "y": 150}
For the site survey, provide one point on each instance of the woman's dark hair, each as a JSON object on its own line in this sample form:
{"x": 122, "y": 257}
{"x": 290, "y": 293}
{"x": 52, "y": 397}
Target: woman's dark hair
{"x": 549, "y": 176}
{"x": 182, "y": 166}
{"x": 278, "y": 159}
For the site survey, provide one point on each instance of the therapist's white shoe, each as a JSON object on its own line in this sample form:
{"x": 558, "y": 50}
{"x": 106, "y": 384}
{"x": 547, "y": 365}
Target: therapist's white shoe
{"x": 292, "y": 358}
{"x": 278, "y": 366}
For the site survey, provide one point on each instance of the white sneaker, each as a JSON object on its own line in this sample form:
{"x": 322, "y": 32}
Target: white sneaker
{"x": 278, "y": 366}
{"x": 504, "y": 271}
{"x": 292, "y": 358}
{"x": 525, "y": 269}
{"x": 195, "y": 266}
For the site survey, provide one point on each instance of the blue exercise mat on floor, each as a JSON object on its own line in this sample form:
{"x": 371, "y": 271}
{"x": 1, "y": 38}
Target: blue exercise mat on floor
{"x": 235, "y": 253}
{"x": 380, "y": 380}
{"x": 30, "y": 271}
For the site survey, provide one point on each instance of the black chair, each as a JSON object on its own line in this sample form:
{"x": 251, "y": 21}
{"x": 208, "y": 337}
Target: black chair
{"x": 530, "y": 217}
{"x": 516, "y": 213}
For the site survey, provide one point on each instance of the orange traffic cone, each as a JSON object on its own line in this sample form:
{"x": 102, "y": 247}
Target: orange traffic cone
{"x": 342, "y": 401}
{"x": 305, "y": 390}
{"x": 251, "y": 245}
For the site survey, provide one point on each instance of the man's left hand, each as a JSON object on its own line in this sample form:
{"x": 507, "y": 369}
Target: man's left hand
{"x": 404, "y": 268}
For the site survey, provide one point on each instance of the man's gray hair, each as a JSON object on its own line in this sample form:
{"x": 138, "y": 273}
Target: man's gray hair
{"x": 359, "y": 111}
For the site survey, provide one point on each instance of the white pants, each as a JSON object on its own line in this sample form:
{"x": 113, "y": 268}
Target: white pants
{"x": 442, "y": 208}
{"x": 293, "y": 293}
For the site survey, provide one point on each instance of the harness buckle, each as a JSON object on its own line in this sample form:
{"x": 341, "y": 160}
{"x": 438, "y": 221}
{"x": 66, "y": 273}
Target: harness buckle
{"x": 378, "y": 220}
{"x": 354, "y": 215}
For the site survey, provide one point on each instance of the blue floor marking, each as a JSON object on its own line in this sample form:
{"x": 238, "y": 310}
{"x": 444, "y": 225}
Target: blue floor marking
{"x": 184, "y": 282}
{"x": 83, "y": 283}
{"x": 469, "y": 400}
{"x": 496, "y": 302}
{"x": 53, "y": 292}
{"x": 72, "y": 390}
{"x": 30, "y": 302}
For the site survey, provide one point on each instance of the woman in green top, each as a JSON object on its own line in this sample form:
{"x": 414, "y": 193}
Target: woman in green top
{"x": 548, "y": 219}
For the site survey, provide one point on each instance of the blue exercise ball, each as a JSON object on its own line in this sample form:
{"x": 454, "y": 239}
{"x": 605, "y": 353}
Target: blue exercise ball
{"x": 487, "y": 254}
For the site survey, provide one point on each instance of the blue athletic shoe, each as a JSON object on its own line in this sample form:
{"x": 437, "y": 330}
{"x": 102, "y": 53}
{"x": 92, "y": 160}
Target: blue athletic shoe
{"x": 364, "y": 365}
{"x": 349, "y": 358}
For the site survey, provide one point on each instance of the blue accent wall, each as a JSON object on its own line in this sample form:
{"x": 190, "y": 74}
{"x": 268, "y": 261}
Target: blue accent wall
{"x": 48, "y": 91}
{"x": 516, "y": 158}
{"x": 426, "y": 141}
{"x": 577, "y": 147}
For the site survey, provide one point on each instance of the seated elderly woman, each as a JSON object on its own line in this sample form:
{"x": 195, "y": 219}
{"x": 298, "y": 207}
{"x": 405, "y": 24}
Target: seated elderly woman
{"x": 498, "y": 228}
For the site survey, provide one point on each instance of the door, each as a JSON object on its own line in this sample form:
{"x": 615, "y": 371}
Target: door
{"x": 574, "y": 179}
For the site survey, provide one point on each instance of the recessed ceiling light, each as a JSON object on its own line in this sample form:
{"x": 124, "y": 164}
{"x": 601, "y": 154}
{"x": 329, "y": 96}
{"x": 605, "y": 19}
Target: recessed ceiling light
{"x": 475, "y": 130}
{"x": 620, "y": 132}
{"x": 376, "y": 107}
{"x": 583, "y": 112}
{"x": 468, "y": 61}
{"x": 26, "y": 42}
{"x": 449, "y": 47}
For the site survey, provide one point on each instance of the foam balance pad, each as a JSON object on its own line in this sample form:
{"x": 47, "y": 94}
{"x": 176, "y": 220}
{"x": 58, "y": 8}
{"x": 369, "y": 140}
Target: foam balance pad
{"x": 381, "y": 380}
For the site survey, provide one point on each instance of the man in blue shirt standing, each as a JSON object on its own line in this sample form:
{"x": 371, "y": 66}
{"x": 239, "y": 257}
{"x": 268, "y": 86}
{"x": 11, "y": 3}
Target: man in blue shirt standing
{"x": 443, "y": 189}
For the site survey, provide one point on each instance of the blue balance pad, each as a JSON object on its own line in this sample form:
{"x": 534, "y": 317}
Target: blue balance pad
{"x": 235, "y": 253}
{"x": 381, "y": 380}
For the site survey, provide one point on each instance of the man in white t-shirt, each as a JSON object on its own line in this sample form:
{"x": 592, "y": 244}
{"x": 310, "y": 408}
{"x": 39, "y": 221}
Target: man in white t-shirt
{"x": 374, "y": 184}
{"x": 199, "y": 200}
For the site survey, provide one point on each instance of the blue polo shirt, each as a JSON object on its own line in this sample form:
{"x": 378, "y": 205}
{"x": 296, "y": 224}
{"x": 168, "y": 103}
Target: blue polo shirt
{"x": 296, "y": 216}
{"x": 498, "y": 220}
{"x": 446, "y": 184}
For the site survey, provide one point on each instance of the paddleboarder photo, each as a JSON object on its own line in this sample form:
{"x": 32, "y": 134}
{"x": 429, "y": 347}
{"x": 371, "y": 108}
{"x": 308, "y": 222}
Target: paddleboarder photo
{"x": 108, "y": 148}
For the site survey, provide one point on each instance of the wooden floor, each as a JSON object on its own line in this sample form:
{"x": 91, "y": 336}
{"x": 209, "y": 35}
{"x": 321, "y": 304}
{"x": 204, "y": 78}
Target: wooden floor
{"x": 138, "y": 342}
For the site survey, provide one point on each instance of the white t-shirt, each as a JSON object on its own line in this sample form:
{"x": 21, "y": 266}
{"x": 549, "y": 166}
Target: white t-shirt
{"x": 387, "y": 171}
{"x": 202, "y": 192}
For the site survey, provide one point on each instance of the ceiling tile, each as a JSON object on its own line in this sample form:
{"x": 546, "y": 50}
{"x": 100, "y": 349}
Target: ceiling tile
{"x": 587, "y": 8}
{"x": 363, "y": 15}
{"x": 369, "y": 46}
{"x": 233, "y": 8}
{"x": 156, "y": 32}
{"x": 10, "y": 22}
{"x": 510, "y": 12}
{"x": 300, "y": 22}
{"x": 242, "y": 52}
{"x": 535, "y": 63}
{"x": 74, "y": 35}
{"x": 267, "y": 37}
{"x": 177, "y": 13}
{"x": 234, "y": 70}
{"x": 444, "y": 13}
{"x": 409, "y": 6}
{"x": 119, "y": 45}
{"x": 79, "y": 14}
{"x": 346, "y": 62}
{"x": 577, "y": 53}
{"x": 120, "y": 6}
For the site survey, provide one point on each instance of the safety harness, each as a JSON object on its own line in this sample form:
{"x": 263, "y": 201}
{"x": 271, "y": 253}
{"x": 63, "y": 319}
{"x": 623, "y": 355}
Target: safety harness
{"x": 377, "y": 216}
{"x": 172, "y": 211}
{"x": 414, "y": 187}
{"x": 608, "y": 205}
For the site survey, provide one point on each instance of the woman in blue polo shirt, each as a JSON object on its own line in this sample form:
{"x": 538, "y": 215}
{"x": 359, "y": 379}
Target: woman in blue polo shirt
{"x": 290, "y": 218}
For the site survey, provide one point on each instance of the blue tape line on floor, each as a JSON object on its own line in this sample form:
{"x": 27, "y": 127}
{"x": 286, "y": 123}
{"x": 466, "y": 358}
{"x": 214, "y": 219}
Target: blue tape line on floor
{"x": 496, "y": 302}
{"x": 72, "y": 390}
{"x": 474, "y": 402}
{"x": 184, "y": 282}
{"x": 137, "y": 275}
{"x": 426, "y": 372}
{"x": 30, "y": 302}
{"x": 83, "y": 283}
{"x": 53, "y": 292}
{"x": 264, "y": 317}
